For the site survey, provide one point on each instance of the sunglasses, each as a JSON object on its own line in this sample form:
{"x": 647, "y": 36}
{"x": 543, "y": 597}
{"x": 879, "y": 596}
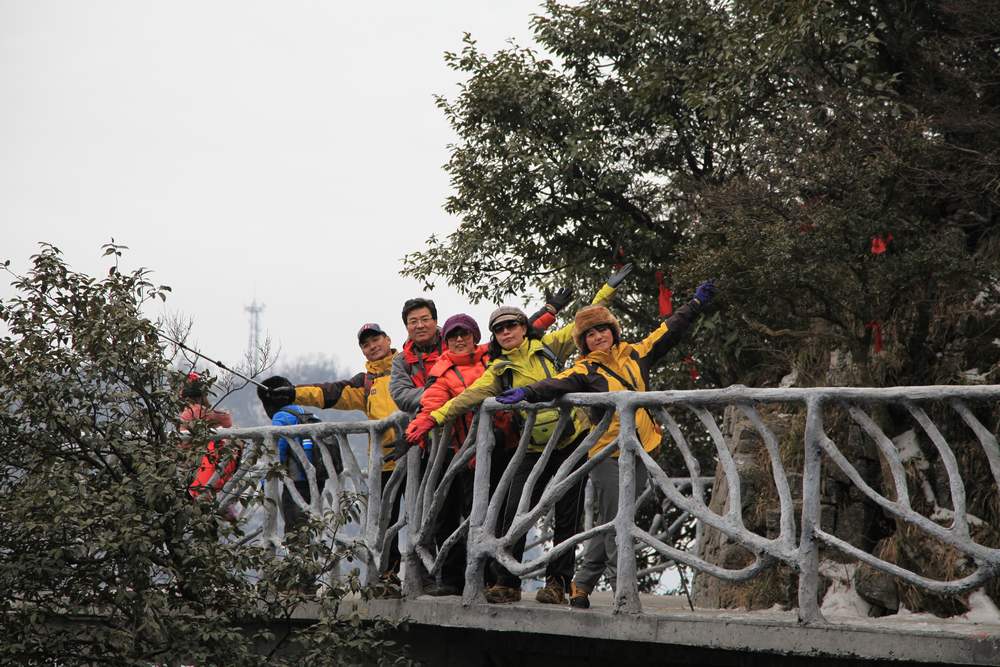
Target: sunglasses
{"x": 503, "y": 326}
{"x": 459, "y": 333}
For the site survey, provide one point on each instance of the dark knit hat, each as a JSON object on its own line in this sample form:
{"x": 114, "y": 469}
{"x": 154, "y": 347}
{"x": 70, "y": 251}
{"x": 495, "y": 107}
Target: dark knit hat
{"x": 589, "y": 317}
{"x": 270, "y": 405}
{"x": 461, "y": 321}
{"x": 507, "y": 314}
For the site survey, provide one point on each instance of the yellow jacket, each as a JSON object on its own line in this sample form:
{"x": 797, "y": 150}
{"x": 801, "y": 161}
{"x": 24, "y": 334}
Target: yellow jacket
{"x": 368, "y": 392}
{"x": 624, "y": 367}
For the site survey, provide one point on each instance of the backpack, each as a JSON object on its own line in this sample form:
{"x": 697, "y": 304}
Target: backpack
{"x": 545, "y": 420}
{"x": 309, "y": 418}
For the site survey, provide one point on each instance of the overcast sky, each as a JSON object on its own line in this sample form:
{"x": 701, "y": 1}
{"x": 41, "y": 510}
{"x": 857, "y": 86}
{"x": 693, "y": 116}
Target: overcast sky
{"x": 285, "y": 151}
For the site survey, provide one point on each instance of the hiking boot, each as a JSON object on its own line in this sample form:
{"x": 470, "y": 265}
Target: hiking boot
{"x": 499, "y": 594}
{"x": 388, "y": 587}
{"x": 578, "y": 597}
{"x": 437, "y": 590}
{"x": 552, "y": 593}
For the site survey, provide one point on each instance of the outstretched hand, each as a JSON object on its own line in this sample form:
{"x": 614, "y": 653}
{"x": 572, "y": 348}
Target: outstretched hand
{"x": 705, "y": 292}
{"x": 284, "y": 394}
{"x": 418, "y": 428}
{"x": 560, "y": 299}
{"x": 618, "y": 276}
{"x": 512, "y": 396}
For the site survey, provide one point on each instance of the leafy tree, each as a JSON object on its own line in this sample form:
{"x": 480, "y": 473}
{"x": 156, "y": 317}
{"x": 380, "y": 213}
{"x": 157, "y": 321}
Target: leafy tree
{"x": 833, "y": 163}
{"x": 768, "y": 144}
{"x": 104, "y": 557}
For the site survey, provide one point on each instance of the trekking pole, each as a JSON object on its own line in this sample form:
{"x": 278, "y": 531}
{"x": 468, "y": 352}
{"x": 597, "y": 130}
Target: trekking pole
{"x": 684, "y": 586}
{"x": 209, "y": 360}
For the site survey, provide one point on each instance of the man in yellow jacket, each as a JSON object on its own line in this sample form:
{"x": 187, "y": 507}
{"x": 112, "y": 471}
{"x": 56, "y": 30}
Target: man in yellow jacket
{"x": 368, "y": 392}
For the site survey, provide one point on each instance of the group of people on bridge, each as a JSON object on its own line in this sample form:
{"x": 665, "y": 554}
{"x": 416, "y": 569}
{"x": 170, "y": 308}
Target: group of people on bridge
{"x": 444, "y": 372}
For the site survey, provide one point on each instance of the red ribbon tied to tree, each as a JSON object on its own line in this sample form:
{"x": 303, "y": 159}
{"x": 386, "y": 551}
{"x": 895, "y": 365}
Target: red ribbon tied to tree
{"x": 876, "y": 328}
{"x": 880, "y": 243}
{"x": 692, "y": 368}
{"x": 665, "y": 295}
{"x": 619, "y": 259}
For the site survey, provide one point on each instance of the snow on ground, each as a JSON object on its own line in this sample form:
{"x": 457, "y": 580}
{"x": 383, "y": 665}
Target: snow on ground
{"x": 841, "y": 599}
{"x": 909, "y": 449}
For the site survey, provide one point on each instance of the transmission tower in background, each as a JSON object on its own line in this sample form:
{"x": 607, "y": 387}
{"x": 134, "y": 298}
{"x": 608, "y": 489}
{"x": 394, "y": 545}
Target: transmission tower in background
{"x": 255, "y": 309}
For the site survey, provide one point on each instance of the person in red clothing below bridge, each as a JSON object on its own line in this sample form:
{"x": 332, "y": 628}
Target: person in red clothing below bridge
{"x": 609, "y": 364}
{"x": 221, "y": 455}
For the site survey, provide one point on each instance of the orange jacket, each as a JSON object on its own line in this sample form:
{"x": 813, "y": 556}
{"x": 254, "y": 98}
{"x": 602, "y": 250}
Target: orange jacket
{"x": 215, "y": 448}
{"x": 449, "y": 377}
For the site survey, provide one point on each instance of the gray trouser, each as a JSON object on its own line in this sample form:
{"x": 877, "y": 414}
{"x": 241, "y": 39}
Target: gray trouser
{"x": 601, "y": 552}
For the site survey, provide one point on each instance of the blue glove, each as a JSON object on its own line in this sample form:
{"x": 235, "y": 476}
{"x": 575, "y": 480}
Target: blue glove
{"x": 705, "y": 292}
{"x": 618, "y": 276}
{"x": 512, "y": 396}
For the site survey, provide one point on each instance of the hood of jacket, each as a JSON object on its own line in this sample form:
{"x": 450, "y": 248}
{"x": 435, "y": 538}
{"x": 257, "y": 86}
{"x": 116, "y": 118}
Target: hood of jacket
{"x": 617, "y": 358}
{"x": 451, "y": 359}
{"x": 381, "y": 366}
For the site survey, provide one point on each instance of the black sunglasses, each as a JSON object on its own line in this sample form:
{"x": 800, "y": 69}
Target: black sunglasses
{"x": 503, "y": 326}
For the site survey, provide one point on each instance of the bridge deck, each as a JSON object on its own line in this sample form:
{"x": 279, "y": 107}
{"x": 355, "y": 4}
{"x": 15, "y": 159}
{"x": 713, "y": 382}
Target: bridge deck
{"x": 668, "y": 621}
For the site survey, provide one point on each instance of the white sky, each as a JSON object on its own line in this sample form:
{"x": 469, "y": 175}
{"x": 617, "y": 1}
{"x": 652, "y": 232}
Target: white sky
{"x": 289, "y": 151}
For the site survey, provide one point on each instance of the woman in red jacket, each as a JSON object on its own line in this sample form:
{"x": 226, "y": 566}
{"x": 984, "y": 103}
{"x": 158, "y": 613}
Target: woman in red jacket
{"x": 461, "y": 364}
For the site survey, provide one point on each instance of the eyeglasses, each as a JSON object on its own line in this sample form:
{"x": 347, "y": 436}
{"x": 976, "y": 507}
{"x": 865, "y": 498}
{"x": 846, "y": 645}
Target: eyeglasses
{"x": 412, "y": 322}
{"x": 503, "y": 326}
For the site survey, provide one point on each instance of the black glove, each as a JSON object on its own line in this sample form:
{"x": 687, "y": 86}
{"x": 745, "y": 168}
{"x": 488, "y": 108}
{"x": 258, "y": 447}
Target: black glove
{"x": 400, "y": 447}
{"x": 283, "y": 394}
{"x": 559, "y": 300}
{"x": 618, "y": 276}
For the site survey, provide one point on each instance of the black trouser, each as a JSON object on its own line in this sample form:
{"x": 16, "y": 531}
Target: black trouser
{"x": 294, "y": 516}
{"x": 457, "y": 505}
{"x": 567, "y": 514}
{"x": 392, "y": 556}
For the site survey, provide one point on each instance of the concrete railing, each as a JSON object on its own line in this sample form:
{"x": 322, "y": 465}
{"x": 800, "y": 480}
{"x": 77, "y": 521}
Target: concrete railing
{"x": 800, "y": 533}
{"x": 363, "y": 483}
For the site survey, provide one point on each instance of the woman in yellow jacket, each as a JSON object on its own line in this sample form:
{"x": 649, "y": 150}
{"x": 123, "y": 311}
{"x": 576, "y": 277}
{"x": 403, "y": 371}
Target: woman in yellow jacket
{"x": 522, "y": 356}
{"x": 610, "y": 364}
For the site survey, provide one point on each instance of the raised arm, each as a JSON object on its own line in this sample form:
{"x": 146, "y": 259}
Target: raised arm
{"x": 561, "y": 341}
{"x": 675, "y": 328}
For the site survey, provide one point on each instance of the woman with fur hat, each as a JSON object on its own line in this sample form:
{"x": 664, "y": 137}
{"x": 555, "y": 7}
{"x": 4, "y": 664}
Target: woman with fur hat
{"x": 610, "y": 364}
{"x": 520, "y": 356}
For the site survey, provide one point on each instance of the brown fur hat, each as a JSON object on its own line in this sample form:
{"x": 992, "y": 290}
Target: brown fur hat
{"x": 589, "y": 317}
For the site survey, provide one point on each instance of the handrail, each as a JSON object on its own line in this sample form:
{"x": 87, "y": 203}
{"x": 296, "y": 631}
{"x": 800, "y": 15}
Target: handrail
{"x": 427, "y": 476}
